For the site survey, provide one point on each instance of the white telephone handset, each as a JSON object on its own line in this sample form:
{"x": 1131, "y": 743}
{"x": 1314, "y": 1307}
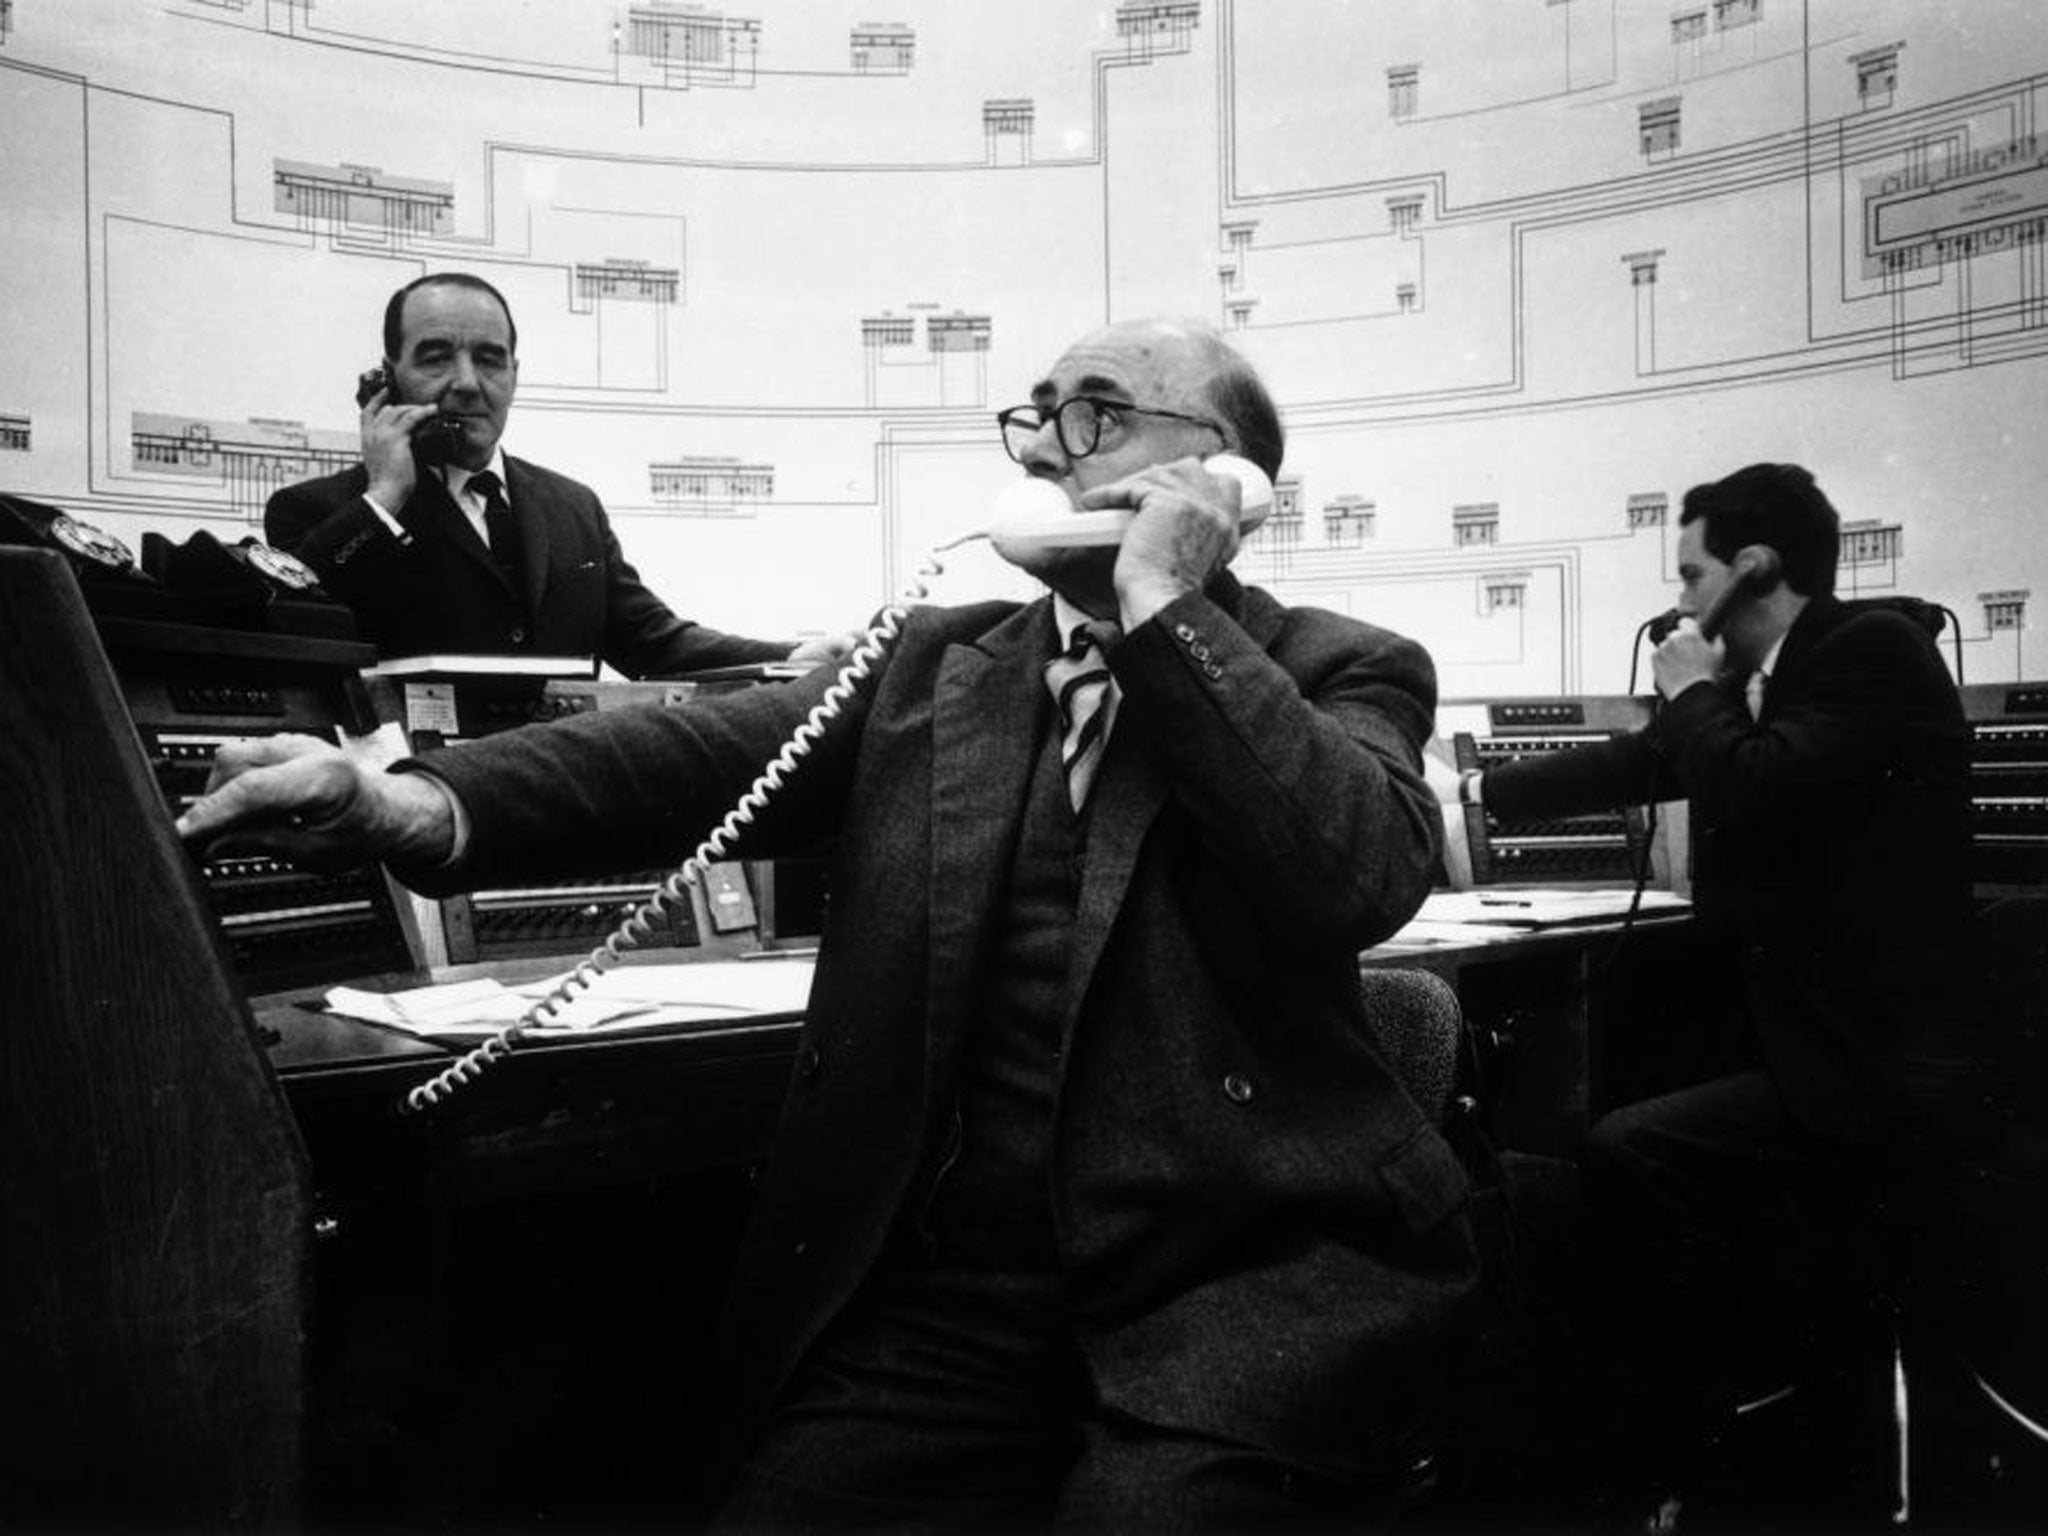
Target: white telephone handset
{"x": 1032, "y": 515}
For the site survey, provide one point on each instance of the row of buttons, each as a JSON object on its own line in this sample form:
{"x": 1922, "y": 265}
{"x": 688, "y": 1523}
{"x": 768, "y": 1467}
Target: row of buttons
{"x": 1199, "y": 649}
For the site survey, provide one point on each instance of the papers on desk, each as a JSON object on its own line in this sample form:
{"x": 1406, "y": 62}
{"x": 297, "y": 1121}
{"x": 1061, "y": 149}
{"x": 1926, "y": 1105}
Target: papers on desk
{"x": 1489, "y": 916}
{"x": 631, "y": 998}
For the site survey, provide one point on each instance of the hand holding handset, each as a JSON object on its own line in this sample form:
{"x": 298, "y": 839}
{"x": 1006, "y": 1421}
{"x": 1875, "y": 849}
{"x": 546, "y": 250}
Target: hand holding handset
{"x": 435, "y": 440}
{"x": 1030, "y": 515}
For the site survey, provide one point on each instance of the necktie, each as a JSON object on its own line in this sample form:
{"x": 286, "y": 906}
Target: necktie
{"x": 503, "y": 537}
{"x": 1081, "y": 685}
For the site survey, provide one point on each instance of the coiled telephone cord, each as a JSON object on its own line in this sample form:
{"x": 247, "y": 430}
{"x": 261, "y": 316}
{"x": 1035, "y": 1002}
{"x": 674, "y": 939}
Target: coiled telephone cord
{"x": 673, "y": 891}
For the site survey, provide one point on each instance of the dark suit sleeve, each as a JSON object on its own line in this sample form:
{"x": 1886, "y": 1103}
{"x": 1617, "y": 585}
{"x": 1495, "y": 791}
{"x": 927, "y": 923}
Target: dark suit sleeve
{"x": 643, "y": 636}
{"x": 329, "y": 525}
{"x": 634, "y": 788}
{"x": 1301, "y": 767}
{"x": 1629, "y": 770}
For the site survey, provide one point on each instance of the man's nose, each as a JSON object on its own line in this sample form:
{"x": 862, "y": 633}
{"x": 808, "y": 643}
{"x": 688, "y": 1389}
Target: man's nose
{"x": 462, "y": 374}
{"x": 1043, "y": 453}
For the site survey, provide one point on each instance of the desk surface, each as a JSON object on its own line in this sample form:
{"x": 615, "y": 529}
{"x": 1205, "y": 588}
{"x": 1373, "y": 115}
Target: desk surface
{"x": 1454, "y": 928}
{"x": 307, "y": 1041}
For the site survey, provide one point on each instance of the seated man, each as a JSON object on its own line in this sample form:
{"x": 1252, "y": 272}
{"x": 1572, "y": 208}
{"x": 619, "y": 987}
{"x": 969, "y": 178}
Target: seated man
{"x": 440, "y": 542}
{"x": 1094, "y": 1197}
{"x": 1822, "y": 750}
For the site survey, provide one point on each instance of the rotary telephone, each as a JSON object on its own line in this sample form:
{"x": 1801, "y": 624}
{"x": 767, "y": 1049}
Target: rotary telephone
{"x": 1030, "y": 515}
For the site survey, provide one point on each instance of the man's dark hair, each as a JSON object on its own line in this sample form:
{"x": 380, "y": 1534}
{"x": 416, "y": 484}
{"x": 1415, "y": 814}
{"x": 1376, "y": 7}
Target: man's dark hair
{"x": 1774, "y": 504}
{"x": 1238, "y": 396}
{"x": 394, "y": 312}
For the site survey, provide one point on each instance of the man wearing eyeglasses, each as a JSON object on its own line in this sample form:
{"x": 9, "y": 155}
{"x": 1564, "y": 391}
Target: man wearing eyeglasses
{"x": 1093, "y": 1202}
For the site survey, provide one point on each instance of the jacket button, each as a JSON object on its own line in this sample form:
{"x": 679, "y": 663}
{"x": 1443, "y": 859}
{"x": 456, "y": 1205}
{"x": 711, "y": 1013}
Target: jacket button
{"x": 1213, "y": 672}
{"x": 810, "y": 1061}
{"x": 1237, "y": 1089}
{"x": 517, "y": 637}
{"x": 1183, "y": 632}
{"x": 1199, "y": 651}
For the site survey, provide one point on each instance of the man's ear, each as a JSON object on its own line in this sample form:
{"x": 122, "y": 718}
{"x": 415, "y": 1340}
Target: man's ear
{"x": 1755, "y": 565}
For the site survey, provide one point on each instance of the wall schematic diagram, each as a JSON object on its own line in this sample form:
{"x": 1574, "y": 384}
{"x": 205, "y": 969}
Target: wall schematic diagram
{"x": 772, "y": 268}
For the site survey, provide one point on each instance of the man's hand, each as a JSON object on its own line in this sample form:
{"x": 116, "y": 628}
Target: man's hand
{"x": 821, "y": 649}
{"x": 309, "y": 802}
{"x": 1686, "y": 657}
{"x": 1183, "y": 533}
{"x": 387, "y": 448}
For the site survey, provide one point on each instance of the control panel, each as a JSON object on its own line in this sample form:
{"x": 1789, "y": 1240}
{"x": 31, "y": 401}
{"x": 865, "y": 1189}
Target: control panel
{"x": 190, "y": 689}
{"x": 730, "y": 913}
{"x": 2008, "y": 785}
{"x": 1607, "y": 847}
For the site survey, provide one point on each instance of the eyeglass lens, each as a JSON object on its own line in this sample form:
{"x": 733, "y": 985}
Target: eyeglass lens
{"x": 1079, "y": 428}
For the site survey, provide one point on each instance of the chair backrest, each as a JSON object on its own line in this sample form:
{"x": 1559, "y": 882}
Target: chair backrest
{"x": 1416, "y": 1017}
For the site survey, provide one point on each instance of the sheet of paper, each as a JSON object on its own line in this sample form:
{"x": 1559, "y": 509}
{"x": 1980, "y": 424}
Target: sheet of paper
{"x": 1541, "y": 907}
{"x": 631, "y": 997}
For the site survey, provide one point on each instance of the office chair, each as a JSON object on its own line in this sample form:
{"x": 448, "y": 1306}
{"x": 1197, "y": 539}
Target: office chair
{"x": 1418, "y": 1022}
{"x": 1419, "y": 1025}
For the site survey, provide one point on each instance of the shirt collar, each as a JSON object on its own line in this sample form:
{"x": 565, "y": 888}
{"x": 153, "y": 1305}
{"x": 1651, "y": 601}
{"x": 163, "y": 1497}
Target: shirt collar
{"x": 1067, "y": 617}
{"x": 1770, "y": 662}
{"x": 457, "y": 479}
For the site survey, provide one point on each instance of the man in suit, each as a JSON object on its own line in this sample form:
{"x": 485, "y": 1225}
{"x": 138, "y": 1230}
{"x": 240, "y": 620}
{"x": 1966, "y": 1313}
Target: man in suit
{"x": 1094, "y": 1197}
{"x": 441, "y": 542}
{"x": 1822, "y": 750}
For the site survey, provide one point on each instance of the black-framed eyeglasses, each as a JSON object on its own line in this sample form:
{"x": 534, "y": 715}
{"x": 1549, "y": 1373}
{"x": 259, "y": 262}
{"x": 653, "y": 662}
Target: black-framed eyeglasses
{"x": 1082, "y": 422}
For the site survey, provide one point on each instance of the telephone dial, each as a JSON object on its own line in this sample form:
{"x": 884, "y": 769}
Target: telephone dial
{"x": 109, "y": 578}
{"x": 87, "y": 548}
{"x": 1030, "y": 515}
{"x": 436, "y": 440}
{"x": 248, "y": 585}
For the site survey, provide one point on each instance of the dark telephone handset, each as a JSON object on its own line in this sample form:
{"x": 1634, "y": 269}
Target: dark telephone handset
{"x": 1030, "y": 513}
{"x": 1754, "y": 565}
{"x": 436, "y": 440}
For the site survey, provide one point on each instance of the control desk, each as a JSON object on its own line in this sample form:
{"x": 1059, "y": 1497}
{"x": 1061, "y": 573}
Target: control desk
{"x": 2009, "y": 785}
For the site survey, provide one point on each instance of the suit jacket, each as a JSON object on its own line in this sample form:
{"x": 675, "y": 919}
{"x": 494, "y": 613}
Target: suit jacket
{"x": 1263, "y": 1234}
{"x": 1830, "y": 849}
{"x": 444, "y": 592}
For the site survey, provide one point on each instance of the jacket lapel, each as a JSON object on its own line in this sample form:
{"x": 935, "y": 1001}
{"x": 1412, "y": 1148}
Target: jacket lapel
{"x": 987, "y": 707}
{"x": 1128, "y": 796}
{"x": 450, "y": 522}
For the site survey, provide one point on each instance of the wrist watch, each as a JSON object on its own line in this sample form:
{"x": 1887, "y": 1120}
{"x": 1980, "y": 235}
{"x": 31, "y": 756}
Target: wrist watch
{"x": 1468, "y": 787}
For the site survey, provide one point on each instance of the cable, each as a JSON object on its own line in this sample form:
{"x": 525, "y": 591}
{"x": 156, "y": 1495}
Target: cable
{"x": 1955, "y": 629}
{"x": 1635, "y": 649}
{"x": 634, "y": 930}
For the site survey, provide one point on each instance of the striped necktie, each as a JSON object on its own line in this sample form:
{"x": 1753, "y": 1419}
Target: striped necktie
{"x": 1085, "y": 692}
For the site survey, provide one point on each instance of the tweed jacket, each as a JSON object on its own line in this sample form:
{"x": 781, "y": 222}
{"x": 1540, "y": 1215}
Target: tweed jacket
{"x": 1263, "y": 1237}
{"x": 1830, "y": 850}
{"x": 443, "y": 591}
